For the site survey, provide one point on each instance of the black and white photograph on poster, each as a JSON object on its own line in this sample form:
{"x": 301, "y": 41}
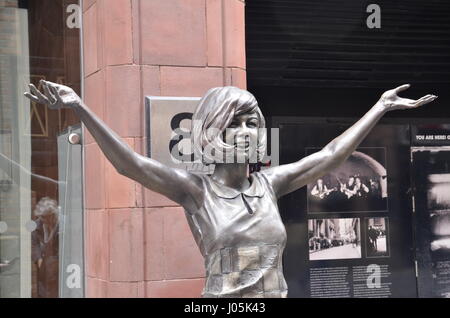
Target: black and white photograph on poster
{"x": 377, "y": 237}
{"x": 338, "y": 238}
{"x": 440, "y": 225}
{"x": 358, "y": 185}
{"x": 439, "y": 207}
{"x": 432, "y": 203}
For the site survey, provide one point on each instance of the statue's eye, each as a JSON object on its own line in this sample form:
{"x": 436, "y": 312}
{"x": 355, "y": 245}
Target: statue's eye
{"x": 252, "y": 123}
{"x": 234, "y": 124}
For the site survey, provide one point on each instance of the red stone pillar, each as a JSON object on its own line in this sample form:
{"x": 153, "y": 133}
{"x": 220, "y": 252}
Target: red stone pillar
{"x": 138, "y": 243}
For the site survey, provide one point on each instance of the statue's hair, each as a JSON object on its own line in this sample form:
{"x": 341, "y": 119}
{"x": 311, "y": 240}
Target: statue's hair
{"x": 214, "y": 114}
{"x": 46, "y": 206}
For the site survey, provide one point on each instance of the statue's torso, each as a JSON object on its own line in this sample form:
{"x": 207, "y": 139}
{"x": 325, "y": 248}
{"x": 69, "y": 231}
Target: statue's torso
{"x": 242, "y": 238}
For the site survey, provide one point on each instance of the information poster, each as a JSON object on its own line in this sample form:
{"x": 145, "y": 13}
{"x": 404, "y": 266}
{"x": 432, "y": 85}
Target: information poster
{"x": 431, "y": 179}
{"x": 350, "y": 233}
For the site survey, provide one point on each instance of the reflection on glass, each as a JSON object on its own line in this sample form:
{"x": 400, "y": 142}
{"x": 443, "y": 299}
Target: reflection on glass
{"x": 37, "y": 43}
{"x": 45, "y": 247}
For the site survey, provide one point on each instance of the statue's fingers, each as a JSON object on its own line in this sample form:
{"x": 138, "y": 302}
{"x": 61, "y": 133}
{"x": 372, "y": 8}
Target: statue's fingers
{"x": 402, "y": 88}
{"x": 49, "y": 84}
{"x": 44, "y": 82}
{"x": 421, "y": 101}
{"x": 49, "y": 95}
{"x": 33, "y": 88}
{"x": 54, "y": 85}
{"x": 31, "y": 97}
{"x": 425, "y": 100}
{"x": 424, "y": 97}
{"x": 38, "y": 94}
{"x": 55, "y": 92}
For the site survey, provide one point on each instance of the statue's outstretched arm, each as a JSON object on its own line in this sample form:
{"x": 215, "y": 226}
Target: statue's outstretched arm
{"x": 290, "y": 177}
{"x": 176, "y": 184}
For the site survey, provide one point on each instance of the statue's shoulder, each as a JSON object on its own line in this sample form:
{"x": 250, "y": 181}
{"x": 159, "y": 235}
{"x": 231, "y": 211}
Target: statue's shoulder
{"x": 265, "y": 180}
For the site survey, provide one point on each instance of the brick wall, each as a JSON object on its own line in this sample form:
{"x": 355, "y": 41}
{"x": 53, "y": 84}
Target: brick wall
{"x": 138, "y": 243}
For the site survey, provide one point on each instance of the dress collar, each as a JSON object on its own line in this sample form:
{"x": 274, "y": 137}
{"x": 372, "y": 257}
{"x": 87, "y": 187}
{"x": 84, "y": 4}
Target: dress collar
{"x": 255, "y": 189}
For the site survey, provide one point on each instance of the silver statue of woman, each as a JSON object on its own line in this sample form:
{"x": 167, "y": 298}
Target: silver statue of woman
{"x": 233, "y": 215}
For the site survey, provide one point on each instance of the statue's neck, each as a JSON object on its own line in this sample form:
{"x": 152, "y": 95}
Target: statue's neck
{"x": 233, "y": 175}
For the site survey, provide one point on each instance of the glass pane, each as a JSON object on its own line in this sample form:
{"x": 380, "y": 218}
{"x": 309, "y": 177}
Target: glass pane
{"x": 39, "y": 40}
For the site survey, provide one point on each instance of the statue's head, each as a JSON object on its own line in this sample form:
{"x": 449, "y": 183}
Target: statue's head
{"x": 228, "y": 125}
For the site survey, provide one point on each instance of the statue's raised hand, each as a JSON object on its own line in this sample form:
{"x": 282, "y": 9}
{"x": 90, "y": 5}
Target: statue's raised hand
{"x": 391, "y": 101}
{"x": 55, "y": 96}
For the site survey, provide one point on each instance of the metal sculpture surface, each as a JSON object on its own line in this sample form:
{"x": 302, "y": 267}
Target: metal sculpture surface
{"x": 233, "y": 215}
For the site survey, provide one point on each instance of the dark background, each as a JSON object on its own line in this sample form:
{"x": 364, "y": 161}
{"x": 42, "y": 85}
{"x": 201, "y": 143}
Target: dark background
{"x": 318, "y": 58}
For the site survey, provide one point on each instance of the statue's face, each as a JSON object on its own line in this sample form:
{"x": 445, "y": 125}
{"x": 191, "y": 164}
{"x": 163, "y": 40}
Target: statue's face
{"x": 242, "y": 133}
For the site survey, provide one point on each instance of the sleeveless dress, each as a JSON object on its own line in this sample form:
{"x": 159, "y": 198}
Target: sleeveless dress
{"x": 241, "y": 237}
